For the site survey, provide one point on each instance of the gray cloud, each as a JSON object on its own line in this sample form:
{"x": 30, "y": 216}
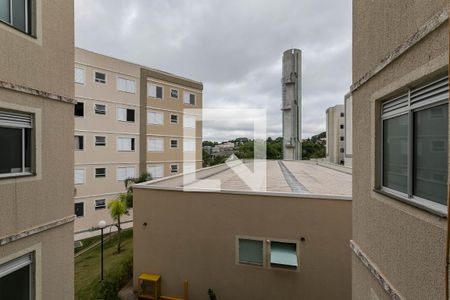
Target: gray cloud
{"x": 234, "y": 47}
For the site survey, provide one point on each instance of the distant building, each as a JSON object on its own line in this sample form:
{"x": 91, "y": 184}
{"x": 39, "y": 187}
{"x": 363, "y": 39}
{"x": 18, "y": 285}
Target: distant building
{"x": 400, "y": 157}
{"x": 224, "y": 149}
{"x": 335, "y": 134}
{"x": 36, "y": 150}
{"x": 348, "y": 127}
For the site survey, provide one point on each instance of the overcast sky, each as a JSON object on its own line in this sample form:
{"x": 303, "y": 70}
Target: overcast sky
{"x": 234, "y": 47}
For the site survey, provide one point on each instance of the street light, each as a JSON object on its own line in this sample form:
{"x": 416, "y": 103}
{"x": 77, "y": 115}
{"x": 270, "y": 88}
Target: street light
{"x": 102, "y": 225}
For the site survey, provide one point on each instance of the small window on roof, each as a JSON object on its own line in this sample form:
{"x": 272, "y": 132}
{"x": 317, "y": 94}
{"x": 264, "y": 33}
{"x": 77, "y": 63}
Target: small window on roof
{"x": 283, "y": 255}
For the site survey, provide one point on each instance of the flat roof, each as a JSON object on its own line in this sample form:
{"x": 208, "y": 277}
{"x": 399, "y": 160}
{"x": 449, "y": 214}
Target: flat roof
{"x": 282, "y": 177}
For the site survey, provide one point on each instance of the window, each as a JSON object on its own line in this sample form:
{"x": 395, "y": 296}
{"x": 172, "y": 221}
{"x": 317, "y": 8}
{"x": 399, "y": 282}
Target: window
{"x": 17, "y": 278}
{"x": 16, "y": 143}
{"x": 125, "y": 114}
{"x": 341, "y": 138}
{"x": 125, "y": 144}
{"x": 79, "y": 109}
{"x": 79, "y": 142}
{"x": 174, "y": 93}
{"x": 156, "y": 171}
{"x": 100, "y": 141}
{"x": 173, "y": 143}
{"x": 155, "y": 144}
{"x": 415, "y": 145}
{"x": 283, "y": 255}
{"x": 155, "y": 118}
{"x": 341, "y": 150}
{"x": 174, "y": 168}
{"x": 341, "y": 126}
{"x": 100, "y": 109}
{"x": 79, "y": 209}
{"x": 79, "y": 176}
{"x": 79, "y": 75}
{"x": 188, "y": 145}
{"x": 100, "y": 77}
{"x": 17, "y": 13}
{"x": 189, "y": 121}
{"x": 100, "y": 172}
{"x": 173, "y": 119}
{"x": 251, "y": 252}
{"x": 126, "y": 85}
{"x": 342, "y": 115}
{"x": 189, "y": 98}
{"x": 154, "y": 91}
{"x": 125, "y": 172}
{"x": 100, "y": 204}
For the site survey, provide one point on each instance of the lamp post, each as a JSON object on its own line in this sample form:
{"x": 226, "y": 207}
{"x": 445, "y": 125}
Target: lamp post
{"x": 102, "y": 225}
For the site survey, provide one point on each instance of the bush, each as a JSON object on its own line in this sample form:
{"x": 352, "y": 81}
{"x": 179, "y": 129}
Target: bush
{"x": 115, "y": 279}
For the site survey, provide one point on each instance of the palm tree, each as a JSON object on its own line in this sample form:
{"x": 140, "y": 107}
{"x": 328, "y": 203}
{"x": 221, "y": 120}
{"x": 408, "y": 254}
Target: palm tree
{"x": 117, "y": 208}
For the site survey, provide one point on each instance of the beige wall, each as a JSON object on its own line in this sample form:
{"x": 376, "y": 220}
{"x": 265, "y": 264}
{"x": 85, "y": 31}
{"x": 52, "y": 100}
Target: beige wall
{"x": 405, "y": 243}
{"x": 334, "y": 133}
{"x": 348, "y": 127}
{"x": 192, "y": 236}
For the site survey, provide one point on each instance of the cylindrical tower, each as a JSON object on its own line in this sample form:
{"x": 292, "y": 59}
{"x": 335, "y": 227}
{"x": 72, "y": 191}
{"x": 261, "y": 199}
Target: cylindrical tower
{"x": 292, "y": 104}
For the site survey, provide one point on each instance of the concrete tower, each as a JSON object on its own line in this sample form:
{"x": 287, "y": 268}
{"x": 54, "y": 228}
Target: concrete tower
{"x": 292, "y": 104}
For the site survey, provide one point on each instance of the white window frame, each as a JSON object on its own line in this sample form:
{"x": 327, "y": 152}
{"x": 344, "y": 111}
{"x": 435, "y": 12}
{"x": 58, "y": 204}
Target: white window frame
{"x": 100, "y": 136}
{"x": 129, "y": 85}
{"x": 99, "y": 206}
{"x": 159, "y": 139}
{"x": 81, "y": 75}
{"x": 95, "y": 172}
{"x": 159, "y": 116}
{"x": 279, "y": 267}
{"x": 84, "y": 109}
{"x": 187, "y": 98}
{"x": 99, "y": 80}
{"x": 178, "y": 143}
{"x": 84, "y": 142}
{"x": 95, "y": 109}
{"x": 177, "y": 168}
{"x": 178, "y": 93}
{"x": 119, "y": 113}
{"x": 84, "y": 210}
{"x": 171, "y": 122}
{"x": 18, "y": 263}
{"x": 75, "y": 176}
{"x": 150, "y": 90}
{"x": 159, "y": 166}
{"x": 130, "y": 172}
{"x": 118, "y": 148}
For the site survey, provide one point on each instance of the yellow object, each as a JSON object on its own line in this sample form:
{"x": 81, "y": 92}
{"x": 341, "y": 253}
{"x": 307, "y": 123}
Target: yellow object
{"x": 149, "y": 286}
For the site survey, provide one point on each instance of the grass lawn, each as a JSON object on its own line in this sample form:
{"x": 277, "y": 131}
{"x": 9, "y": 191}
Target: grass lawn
{"x": 87, "y": 265}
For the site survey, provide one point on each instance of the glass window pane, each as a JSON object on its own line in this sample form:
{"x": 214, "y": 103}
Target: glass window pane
{"x": 395, "y": 153}
{"x": 19, "y": 16}
{"x": 16, "y": 285}
{"x": 4, "y": 11}
{"x": 251, "y": 252}
{"x": 28, "y": 147}
{"x": 10, "y": 150}
{"x": 430, "y": 153}
{"x": 283, "y": 254}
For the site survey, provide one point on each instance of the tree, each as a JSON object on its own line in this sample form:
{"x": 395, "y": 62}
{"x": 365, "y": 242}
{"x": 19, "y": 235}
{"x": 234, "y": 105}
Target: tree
{"x": 118, "y": 208}
{"x": 129, "y": 186}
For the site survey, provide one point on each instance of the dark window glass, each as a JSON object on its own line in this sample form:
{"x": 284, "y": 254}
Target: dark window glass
{"x": 100, "y": 77}
{"x": 100, "y": 109}
{"x": 132, "y": 144}
{"x": 4, "y": 11}
{"x": 100, "y": 141}
{"x": 174, "y": 93}
{"x": 10, "y": 150}
{"x": 79, "y": 142}
{"x": 79, "y": 109}
{"x": 342, "y": 115}
{"x": 431, "y": 153}
{"x": 100, "y": 172}
{"x": 251, "y": 252}
{"x": 395, "y": 153}
{"x": 341, "y": 126}
{"x": 100, "y": 204}
{"x": 342, "y": 138}
{"x": 79, "y": 209}
{"x": 174, "y": 143}
{"x": 19, "y": 15}
{"x": 159, "y": 92}
{"x": 342, "y": 150}
{"x": 173, "y": 119}
{"x": 192, "y": 99}
{"x": 16, "y": 285}
{"x": 130, "y": 115}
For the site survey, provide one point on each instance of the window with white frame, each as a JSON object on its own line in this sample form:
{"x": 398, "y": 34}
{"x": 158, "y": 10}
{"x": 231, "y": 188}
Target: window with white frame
{"x": 125, "y": 114}
{"x": 125, "y": 144}
{"x": 174, "y": 143}
{"x": 16, "y": 149}
{"x": 174, "y": 93}
{"x": 414, "y": 145}
{"x": 123, "y": 173}
{"x": 79, "y": 209}
{"x": 100, "y": 140}
{"x": 154, "y": 91}
{"x": 189, "y": 98}
{"x": 100, "y": 109}
{"x": 173, "y": 168}
{"x": 100, "y": 172}
{"x": 155, "y": 144}
{"x": 188, "y": 145}
{"x": 156, "y": 171}
{"x": 126, "y": 85}
{"x": 188, "y": 121}
{"x": 17, "y": 278}
{"x": 283, "y": 255}
{"x": 79, "y": 142}
{"x": 79, "y": 109}
{"x": 173, "y": 119}
{"x": 18, "y": 13}
{"x": 251, "y": 252}
{"x": 155, "y": 118}
{"x": 99, "y": 77}
{"x": 79, "y": 176}
{"x": 100, "y": 204}
{"x": 79, "y": 75}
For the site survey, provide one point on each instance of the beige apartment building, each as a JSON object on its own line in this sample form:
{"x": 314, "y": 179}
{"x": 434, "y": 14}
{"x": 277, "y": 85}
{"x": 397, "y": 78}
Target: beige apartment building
{"x": 348, "y": 130}
{"x": 129, "y": 120}
{"x": 335, "y": 134}
{"x": 400, "y": 143}
{"x": 289, "y": 241}
{"x": 36, "y": 153}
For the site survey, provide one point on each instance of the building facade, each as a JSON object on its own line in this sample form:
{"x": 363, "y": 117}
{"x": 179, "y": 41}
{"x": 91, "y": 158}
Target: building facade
{"x": 36, "y": 155}
{"x": 335, "y": 134}
{"x": 348, "y": 127}
{"x": 400, "y": 157}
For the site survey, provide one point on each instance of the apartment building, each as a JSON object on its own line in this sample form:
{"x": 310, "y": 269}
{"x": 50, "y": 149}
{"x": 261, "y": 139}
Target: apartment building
{"x": 400, "y": 157}
{"x": 348, "y": 130}
{"x": 106, "y": 135}
{"x": 170, "y": 123}
{"x": 335, "y": 134}
{"x": 36, "y": 153}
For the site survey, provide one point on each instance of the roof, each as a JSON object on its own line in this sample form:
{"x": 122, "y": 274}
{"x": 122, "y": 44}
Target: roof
{"x": 282, "y": 177}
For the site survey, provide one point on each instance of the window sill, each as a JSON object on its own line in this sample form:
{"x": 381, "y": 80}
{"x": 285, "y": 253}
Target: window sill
{"x": 431, "y": 207}
{"x": 16, "y": 175}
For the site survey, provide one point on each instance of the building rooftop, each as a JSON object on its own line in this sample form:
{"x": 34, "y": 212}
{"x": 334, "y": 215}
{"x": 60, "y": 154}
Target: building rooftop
{"x": 282, "y": 177}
